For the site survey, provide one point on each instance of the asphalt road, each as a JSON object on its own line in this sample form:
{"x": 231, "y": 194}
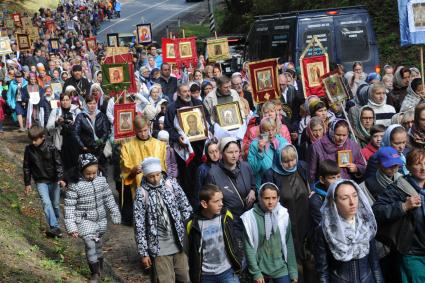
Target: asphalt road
{"x": 159, "y": 13}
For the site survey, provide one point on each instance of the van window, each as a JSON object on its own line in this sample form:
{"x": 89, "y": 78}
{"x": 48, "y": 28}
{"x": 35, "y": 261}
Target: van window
{"x": 280, "y": 45}
{"x": 324, "y": 36}
{"x": 354, "y": 44}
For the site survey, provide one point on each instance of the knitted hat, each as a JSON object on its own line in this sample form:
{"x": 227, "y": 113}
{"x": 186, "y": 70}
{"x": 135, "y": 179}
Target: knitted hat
{"x": 163, "y": 135}
{"x": 149, "y": 112}
{"x": 86, "y": 159}
{"x": 225, "y": 141}
{"x": 151, "y": 165}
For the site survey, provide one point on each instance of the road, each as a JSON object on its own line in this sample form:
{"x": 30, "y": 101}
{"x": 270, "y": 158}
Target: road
{"x": 158, "y": 13}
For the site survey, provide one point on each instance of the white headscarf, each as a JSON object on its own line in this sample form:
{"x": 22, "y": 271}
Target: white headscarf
{"x": 345, "y": 241}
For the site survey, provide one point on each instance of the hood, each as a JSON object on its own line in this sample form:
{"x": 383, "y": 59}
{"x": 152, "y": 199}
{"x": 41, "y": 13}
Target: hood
{"x": 277, "y": 162}
{"x": 386, "y": 139}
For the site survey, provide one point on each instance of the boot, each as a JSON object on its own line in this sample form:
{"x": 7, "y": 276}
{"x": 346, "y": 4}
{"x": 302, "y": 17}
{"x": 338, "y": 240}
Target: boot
{"x": 100, "y": 265}
{"x": 95, "y": 274}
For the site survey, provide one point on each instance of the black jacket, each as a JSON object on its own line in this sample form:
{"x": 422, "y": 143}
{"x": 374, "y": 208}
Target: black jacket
{"x": 82, "y": 86}
{"x": 83, "y": 132}
{"x": 294, "y": 101}
{"x": 169, "y": 87}
{"x": 42, "y": 163}
{"x": 234, "y": 255}
{"x": 330, "y": 270}
{"x": 388, "y": 210}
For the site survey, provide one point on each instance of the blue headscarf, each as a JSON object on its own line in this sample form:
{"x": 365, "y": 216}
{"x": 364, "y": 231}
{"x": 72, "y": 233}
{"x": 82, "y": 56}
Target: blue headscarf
{"x": 277, "y": 162}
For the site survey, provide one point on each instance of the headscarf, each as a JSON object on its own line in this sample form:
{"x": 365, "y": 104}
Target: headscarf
{"x": 386, "y": 141}
{"x": 398, "y": 79}
{"x": 270, "y": 218}
{"x": 412, "y": 98}
{"x": 347, "y": 242}
{"x": 277, "y": 162}
{"x": 313, "y": 99}
{"x": 309, "y": 130}
{"x": 417, "y": 135}
{"x": 361, "y": 133}
{"x": 332, "y": 127}
{"x": 373, "y": 103}
{"x": 99, "y": 99}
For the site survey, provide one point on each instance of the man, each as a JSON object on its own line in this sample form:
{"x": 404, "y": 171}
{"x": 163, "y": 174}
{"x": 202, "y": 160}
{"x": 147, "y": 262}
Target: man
{"x": 82, "y": 85}
{"x": 237, "y": 85}
{"x": 160, "y": 210}
{"x": 43, "y": 79}
{"x": 167, "y": 82}
{"x": 154, "y": 53}
{"x": 187, "y": 161}
{"x": 37, "y": 58}
{"x": 290, "y": 97}
{"x": 133, "y": 152}
{"x": 222, "y": 94}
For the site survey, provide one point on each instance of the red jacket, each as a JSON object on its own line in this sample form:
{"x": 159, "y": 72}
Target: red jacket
{"x": 369, "y": 150}
{"x": 2, "y": 104}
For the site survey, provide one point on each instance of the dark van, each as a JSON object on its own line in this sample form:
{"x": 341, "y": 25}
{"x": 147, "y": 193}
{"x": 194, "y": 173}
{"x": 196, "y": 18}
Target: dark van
{"x": 346, "y": 33}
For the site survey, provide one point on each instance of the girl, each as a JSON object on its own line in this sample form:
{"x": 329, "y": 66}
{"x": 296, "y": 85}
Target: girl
{"x": 268, "y": 246}
{"x": 314, "y": 131}
{"x": 86, "y": 202}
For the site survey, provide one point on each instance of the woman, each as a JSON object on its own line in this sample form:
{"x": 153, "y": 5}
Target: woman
{"x": 151, "y": 64}
{"x": 263, "y": 148}
{"x": 144, "y": 80}
{"x": 235, "y": 177}
{"x": 362, "y": 119}
{"x": 314, "y": 107}
{"x": 268, "y": 110}
{"x": 206, "y": 87}
{"x": 328, "y": 147}
{"x": 61, "y": 126}
{"x": 345, "y": 247}
{"x": 415, "y": 93}
{"x": 92, "y": 129}
{"x": 406, "y": 119}
{"x": 102, "y": 101}
{"x": 378, "y": 102}
{"x": 269, "y": 247}
{"x": 208, "y": 71}
{"x": 155, "y": 96}
{"x": 400, "y": 212}
{"x": 98, "y": 77}
{"x": 290, "y": 176}
{"x": 212, "y": 156}
{"x": 314, "y": 131}
{"x": 356, "y": 77}
{"x": 417, "y": 132}
{"x": 401, "y": 82}
{"x": 396, "y": 137}
{"x": 17, "y": 99}
{"x": 198, "y": 77}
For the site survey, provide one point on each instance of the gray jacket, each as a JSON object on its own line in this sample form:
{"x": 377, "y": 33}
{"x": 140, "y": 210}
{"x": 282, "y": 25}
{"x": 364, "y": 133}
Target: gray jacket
{"x": 85, "y": 207}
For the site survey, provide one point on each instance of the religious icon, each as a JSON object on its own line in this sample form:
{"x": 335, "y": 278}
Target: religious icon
{"x": 193, "y": 123}
{"x": 171, "y": 53}
{"x": 185, "y": 49}
{"x": 229, "y": 115}
{"x": 264, "y": 80}
{"x": 344, "y": 158}
{"x": 144, "y": 33}
{"x": 116, "y": 75}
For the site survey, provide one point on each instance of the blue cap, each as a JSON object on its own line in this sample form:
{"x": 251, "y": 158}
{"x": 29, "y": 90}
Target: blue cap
{"x": 373, "y": 76}
{"x": 389, "y": 157}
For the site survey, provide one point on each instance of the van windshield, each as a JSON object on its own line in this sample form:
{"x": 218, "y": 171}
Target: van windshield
{"x": 354, "y": 44}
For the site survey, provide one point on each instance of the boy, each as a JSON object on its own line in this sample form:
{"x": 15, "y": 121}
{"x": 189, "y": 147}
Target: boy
{"x": 329, "y": 173}
{"x": 42, "y": 162}
{"x": 212, "y": 253}
{"x": 376, "y": 134}
{"x": 87, "y": 200}
{"x": 160, "y": 208}
{"x": 389, "y": 163}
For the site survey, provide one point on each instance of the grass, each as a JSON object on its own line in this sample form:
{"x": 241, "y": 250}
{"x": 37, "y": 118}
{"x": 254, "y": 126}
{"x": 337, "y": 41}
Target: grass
{"x": 198, "y": 30}
{"x": 27, "y": 255}
{"x": 27, "y": 5}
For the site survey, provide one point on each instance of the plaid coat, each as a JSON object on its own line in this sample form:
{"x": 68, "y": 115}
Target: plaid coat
{"x": 85, "y": 207}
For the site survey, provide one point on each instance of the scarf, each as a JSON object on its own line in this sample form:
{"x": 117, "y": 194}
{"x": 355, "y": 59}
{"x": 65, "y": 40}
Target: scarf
{"x": 270, "y": 217}
{"x": 356, "y": 119}
{"x": 384, "y": 180}
{"x": 345, "y": 241}
{"x": 398, "y": 80}
{"x": 309, "y": 130}
{"x": 277, "y": 162}
{"x": 417, "y": 135}
{"x": 386, "y": 141}
{"x": 331, "y": 132}
{"x": 411, "y": 100}
{"x": 373, "y": 103}
{"x": 318, "y": 190}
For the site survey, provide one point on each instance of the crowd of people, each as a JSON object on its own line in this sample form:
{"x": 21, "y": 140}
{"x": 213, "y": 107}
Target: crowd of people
{"x": 299, "y": 195}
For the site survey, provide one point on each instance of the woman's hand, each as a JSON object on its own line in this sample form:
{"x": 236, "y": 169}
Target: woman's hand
{"x": 352, "y": 168}
{"x": 411, "y": 203}
{"x": 74, "y": 235}
{"x": 260, "y": 280}
{"x": 250, "y": 198}
{"x": 146, "y": 262}
{"x": 261, "y": 144}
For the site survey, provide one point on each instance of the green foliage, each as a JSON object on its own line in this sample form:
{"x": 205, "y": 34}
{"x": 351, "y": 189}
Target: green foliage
{"x": 239, "y": 14}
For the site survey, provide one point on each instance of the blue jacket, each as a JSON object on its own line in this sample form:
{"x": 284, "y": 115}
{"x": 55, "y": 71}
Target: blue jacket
{"x": 11, "y": 93}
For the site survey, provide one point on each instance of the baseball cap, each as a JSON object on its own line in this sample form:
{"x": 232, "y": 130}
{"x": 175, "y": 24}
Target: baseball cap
{"x": 389, "y": 157}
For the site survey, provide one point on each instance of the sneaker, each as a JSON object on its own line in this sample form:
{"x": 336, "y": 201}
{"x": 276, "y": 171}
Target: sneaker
{"x": 54, "y": 233}
{"x": 21, "y": 130}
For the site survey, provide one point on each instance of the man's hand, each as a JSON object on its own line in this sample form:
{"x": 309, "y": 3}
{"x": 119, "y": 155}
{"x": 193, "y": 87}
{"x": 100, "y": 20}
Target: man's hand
{"x": 412, "y": 202}
{"x": 181, "y": 142}
{"x": 146, "y": 262}
{"x": 60, "y": 120}
{"x": 250, "y": 198}
{"x": 28, "y": 189}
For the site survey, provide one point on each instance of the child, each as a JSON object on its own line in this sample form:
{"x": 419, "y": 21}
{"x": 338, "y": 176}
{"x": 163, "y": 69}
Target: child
{"x": 269, "y": 247}
{"x": 376, "y": 134}
{"x": 43, "y": 164}
{"x": 213, "y": 256}
{"x": 329, "y": 172}
{"x": 86, "y": 202}
{"x": 160, "y": 208}
{"x": 170, "y": 159}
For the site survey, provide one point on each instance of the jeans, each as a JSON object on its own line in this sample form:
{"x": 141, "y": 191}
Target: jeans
{"x": 284, "y": 279}
{"x": 50, "y": 196}
{"x": 228, "y": 276}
